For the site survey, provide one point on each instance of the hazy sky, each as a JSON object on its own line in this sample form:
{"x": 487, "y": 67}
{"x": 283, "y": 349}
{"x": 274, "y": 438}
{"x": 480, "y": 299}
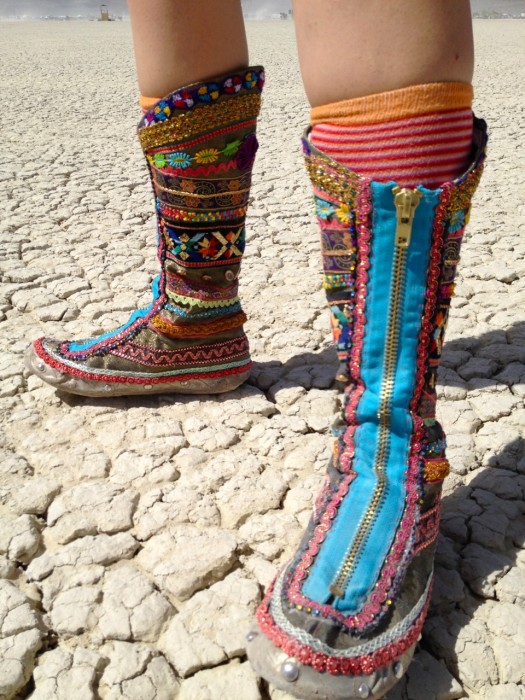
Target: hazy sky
{"x": 116, "y": 7}
{"x": 119, "y": 7}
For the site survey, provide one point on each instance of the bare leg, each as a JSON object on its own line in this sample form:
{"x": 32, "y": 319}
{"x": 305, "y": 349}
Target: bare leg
{"x": 350, "y": 48}
{"x": 178, "y": 42}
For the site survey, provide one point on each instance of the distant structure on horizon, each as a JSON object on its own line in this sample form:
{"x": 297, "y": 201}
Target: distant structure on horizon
{"x": 104, "y": 14}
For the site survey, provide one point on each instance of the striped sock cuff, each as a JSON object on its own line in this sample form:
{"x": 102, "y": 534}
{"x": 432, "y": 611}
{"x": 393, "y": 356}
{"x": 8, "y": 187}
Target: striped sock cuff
{"x": 428, "y": 145}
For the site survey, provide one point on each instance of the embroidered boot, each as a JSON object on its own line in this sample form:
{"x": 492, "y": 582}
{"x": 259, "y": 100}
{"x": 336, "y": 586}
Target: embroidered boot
{"x": 342, "y": 619}
{"x": 338, "y": 258}
{"x": 200, "y": 145}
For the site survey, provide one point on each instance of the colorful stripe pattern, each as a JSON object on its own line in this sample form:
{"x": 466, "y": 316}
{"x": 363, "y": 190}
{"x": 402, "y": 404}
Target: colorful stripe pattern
{"x": 200, "y": 146}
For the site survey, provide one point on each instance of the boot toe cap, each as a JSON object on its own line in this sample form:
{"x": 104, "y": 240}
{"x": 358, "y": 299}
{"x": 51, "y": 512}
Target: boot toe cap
{"x": 301, "y": 681}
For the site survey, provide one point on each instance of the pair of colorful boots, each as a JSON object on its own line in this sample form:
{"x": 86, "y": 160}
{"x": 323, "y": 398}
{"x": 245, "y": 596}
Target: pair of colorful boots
{"x": 343, "y": 617}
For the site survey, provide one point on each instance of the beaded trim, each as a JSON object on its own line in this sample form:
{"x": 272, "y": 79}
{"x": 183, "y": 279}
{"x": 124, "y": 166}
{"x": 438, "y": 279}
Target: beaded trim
{"x": 416, "y": 531}
{"x": 250, "y": 124}
{"x": 393, "y": 569}
{"x": 397, "y": 631}
{"x": 337, "y": 280}
{"x": 200, "y": 216}
{"x": 192, "y": 131}
{"x": 329, "y": 176}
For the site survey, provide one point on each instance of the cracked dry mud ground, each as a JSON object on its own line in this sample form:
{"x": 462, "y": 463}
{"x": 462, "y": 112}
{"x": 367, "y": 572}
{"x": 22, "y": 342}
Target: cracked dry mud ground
{"x": 105, "y": 503}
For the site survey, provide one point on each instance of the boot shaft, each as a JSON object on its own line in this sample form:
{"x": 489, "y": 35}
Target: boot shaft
{"x": 405, "y": 247}
{"x": 353, "y": 599}
{"x": 200, "y": 145}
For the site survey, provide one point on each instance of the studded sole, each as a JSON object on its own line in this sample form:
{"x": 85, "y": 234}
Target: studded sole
{"x": 289, "y": 675}
{"x": 94, "y": 388}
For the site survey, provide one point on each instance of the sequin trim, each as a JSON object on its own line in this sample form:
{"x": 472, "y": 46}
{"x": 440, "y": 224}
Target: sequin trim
{"x": 361, "y": 660}
{"x": 201, "y": 216}
{"x": 395, "y": 563}
{"x": 205, "y": 118}
{"x": 435, "y": 469}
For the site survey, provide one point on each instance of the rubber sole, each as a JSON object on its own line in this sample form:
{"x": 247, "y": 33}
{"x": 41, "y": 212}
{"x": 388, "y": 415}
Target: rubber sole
{"x": 95, "y": 388}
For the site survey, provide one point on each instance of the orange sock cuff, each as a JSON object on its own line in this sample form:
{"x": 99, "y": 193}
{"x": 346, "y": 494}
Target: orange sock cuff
{"x": 147, "y": 103}
{"x": 395, "y": 104}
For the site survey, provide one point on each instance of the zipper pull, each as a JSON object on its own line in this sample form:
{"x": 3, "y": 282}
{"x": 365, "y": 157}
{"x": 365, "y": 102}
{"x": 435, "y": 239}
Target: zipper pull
{"x": 405, "y": 201}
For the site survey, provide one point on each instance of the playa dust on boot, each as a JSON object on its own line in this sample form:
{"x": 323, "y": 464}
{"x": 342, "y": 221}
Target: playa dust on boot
{"x": 342, "y": 619}
{"x": 200, "y": 145}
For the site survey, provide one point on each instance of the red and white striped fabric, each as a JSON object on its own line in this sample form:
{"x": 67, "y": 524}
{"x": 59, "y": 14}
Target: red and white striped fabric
{"x": 426, "y": 149}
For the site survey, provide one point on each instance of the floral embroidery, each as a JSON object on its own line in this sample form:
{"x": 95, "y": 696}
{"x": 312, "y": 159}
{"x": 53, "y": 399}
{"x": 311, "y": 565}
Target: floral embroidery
{"x": 208, "y": 155}
{"x": 187, "y": 185}
{"x": 179, "y": 159}
{"x": 343, "y": 214}
{"x": 324, "y": 209}
{"x": 231, "y": 148}
{"x": 159, "y": 160}
{"x": 457, "y": 221}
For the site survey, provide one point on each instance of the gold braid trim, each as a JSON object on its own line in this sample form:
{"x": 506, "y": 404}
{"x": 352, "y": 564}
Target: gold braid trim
{"x": 198, "y": 330}
{"x": 200, "y": 120}
{"x": 436, "y": 469}
{"x": 332, "y": 178}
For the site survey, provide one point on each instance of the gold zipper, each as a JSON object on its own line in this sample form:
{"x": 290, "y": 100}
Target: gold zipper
{"x": 405, "y": 201}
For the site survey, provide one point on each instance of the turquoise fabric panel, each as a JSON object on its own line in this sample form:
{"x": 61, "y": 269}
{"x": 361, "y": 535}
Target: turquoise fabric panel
{"x": 357, "y": 501}
{"x": 140, "y": 313}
